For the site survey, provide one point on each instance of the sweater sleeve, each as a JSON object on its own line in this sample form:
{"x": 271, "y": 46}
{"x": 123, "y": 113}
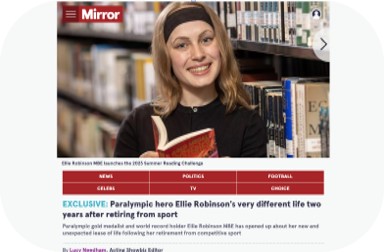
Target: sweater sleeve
{"x": 136, "y": 133}
{"x": 127, "y": 143}
{"x": 255, "y": 138}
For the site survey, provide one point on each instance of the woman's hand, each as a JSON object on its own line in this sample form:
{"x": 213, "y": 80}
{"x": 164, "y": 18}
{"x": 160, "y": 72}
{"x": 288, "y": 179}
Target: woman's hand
{"x": 149, "y": 154}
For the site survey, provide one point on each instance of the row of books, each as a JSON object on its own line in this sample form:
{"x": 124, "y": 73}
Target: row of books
{"x": 82, "y": 133}
{"x": 296, "y": 114}
{"x": 109, "y": 76}
{"x": 292, "y": 23}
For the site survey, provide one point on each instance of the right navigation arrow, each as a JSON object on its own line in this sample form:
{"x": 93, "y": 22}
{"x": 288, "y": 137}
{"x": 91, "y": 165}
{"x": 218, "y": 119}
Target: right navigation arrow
{"x": 325, "y": 44}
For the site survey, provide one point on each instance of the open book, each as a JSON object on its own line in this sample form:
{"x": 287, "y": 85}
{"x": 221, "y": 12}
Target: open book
{"x": 201, "y": 143}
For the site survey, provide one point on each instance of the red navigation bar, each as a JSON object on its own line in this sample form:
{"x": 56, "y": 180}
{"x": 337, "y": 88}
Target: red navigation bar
{"x": 194, "y": 182}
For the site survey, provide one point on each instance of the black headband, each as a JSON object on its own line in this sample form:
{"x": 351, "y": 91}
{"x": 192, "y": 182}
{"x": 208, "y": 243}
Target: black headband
{"x": 182, "y": 16}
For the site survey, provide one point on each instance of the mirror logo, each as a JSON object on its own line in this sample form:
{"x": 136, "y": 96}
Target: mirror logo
{"x": 88, "y": 14}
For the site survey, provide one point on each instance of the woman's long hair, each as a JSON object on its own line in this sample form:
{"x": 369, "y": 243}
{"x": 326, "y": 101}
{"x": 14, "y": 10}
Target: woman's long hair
{"x": 228, "y": 83}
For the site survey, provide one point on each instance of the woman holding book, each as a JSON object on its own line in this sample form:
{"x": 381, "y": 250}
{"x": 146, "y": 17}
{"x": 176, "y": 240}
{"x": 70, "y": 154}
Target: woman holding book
{"x": 199, "y": 86}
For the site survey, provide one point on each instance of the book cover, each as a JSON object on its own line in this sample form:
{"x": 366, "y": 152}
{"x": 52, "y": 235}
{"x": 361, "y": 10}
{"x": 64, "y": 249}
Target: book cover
{"x": 201, "y": 143}
{"x": 274, "y": 125}
{"x": 324, "y": 130}
{"x": 289, "y": 110}
{"x": 280, "y": 127}
{"x": 231, "y": 20}
{"x": 310, "y": 98}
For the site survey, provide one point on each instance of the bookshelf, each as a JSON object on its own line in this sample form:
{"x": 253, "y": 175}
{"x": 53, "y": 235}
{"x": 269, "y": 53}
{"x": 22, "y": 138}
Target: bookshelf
{"x": 278, "y": 59}
{"x": 116, "y": 116}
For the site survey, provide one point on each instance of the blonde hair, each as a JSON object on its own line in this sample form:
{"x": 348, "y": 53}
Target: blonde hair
{"x": 228, "y": 83}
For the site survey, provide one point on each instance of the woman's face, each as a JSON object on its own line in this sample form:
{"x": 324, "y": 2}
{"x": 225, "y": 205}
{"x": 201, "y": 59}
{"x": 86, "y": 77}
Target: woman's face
{"x": 195, "y": 55}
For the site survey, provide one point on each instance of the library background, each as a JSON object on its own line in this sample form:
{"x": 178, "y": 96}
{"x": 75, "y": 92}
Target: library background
{"x": 105, "y": 70}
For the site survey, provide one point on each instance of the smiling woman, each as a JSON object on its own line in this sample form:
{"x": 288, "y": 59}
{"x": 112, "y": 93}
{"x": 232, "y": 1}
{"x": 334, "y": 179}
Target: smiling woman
{"x": 199, "y": 86}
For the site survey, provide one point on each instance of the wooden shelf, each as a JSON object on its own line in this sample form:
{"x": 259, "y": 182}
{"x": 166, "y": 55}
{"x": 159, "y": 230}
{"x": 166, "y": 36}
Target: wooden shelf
{"x": 275, "y": 49}
{"x": 114, "y": 115}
